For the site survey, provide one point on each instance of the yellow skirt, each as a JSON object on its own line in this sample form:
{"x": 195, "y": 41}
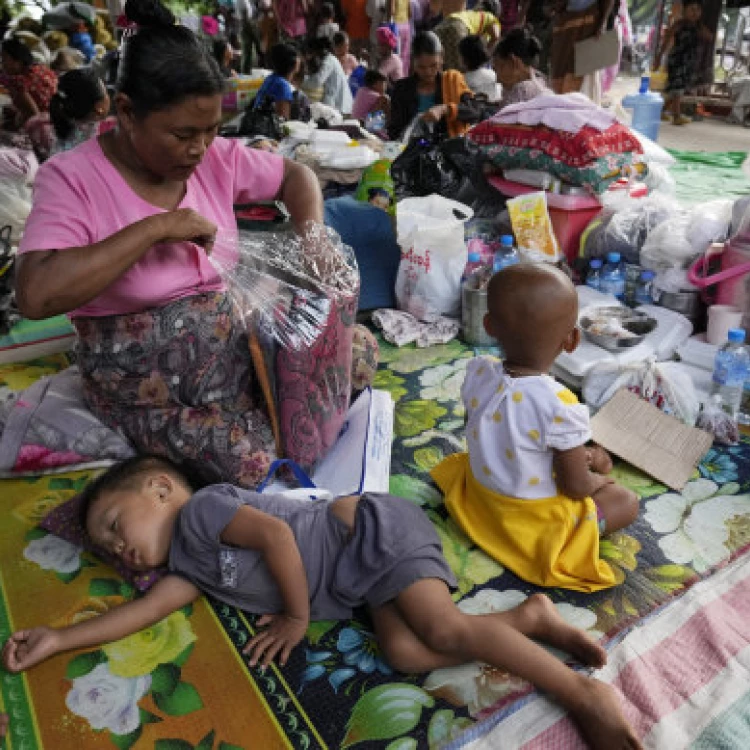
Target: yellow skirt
{"x": 548, "y": 542}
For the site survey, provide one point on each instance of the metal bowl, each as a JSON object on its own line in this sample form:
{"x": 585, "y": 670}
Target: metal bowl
{"x": 633, "y": 321}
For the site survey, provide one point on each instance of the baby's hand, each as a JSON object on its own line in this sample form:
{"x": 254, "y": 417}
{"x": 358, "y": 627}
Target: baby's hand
{"x": 27, "y": 648}
{"x": 279, "y": 638}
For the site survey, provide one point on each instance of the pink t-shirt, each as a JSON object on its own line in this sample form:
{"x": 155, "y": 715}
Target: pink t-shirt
{"x": 363, "y": 102}
{"x": 80, "y": 198}
{"x": 392, "y": 68}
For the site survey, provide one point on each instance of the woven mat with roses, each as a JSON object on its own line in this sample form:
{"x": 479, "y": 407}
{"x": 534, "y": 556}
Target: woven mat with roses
{"x": 182, "y": 683}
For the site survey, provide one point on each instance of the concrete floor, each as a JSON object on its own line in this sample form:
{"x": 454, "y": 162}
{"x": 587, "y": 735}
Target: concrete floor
{"x": 711, "y": 134}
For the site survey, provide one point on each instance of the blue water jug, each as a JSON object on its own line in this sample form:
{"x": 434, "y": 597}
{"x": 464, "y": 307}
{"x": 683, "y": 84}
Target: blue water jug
{"x": 647, "y": 106}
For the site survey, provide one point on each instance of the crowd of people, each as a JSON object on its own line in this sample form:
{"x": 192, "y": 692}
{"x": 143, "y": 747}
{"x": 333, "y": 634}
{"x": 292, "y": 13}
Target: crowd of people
{"x": 164, "y": 361}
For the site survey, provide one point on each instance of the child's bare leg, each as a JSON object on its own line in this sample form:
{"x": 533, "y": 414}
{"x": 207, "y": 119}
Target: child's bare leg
{"x": 496, "y": 639}
{"x": 536, "y": 618}
{"x": 3, "y": 725}
{"x": 618, "y": 505}
{"x": 599, "y": 461}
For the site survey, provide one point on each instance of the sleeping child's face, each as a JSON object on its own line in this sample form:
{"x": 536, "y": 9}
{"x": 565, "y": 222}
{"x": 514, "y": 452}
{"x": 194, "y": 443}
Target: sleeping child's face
{"x": 136, "y": 524}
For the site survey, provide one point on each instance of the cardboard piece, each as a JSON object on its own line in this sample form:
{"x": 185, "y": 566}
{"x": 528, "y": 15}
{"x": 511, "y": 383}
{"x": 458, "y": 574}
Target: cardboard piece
{"x": 594, "y": 53}
{"x": 651, "y": 440}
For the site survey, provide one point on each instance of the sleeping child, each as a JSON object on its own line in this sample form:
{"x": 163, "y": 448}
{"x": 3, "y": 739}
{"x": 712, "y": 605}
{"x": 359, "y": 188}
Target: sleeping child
{"x": 530, "y": 492}
{"x": 293, "y": 561}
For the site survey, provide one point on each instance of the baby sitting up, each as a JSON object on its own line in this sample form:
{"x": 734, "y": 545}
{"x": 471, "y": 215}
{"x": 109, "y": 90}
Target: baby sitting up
{"x": 529, "y": 491}
{"x": 293, "y": 561}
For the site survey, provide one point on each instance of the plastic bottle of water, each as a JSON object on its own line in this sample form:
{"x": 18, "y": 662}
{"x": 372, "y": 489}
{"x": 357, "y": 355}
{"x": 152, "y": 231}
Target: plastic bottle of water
{"x": 594, "y": 276}
{"x": 613, "y": 279}
{"x": 646, "y": 106}
{"x": 474, "y": 264}
{"x": 506, "y": 255}
{"x": 643, "y": 291}
{"x": 731, "y": 370}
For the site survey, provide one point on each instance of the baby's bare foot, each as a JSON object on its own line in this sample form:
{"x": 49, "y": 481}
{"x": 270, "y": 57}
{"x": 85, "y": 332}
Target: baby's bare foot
{"x": 548, "y": 626}
{"x": 597, "y": 712}
{"x": 599, "y": 461}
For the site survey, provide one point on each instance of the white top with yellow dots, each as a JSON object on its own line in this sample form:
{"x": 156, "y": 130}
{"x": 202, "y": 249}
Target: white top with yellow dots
{"x": 514, "y": 424}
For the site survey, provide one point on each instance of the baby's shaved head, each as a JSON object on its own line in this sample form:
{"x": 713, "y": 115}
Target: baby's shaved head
{"x": 532, "y": 309}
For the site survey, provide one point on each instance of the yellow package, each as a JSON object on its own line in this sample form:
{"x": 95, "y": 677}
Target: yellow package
{"x": 532, "y": 228}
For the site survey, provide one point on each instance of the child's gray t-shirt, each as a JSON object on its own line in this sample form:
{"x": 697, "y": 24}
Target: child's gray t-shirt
{"x": 240, "y": 577}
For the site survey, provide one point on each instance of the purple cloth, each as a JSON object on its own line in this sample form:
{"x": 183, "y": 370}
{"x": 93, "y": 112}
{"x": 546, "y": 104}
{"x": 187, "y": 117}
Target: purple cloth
{"x": 566, "y": 112}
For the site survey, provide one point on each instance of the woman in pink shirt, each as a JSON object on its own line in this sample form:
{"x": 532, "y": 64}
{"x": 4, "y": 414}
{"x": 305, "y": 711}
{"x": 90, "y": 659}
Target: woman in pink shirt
{"x": 389, "y": 63}
{"x": 118, "y": 239}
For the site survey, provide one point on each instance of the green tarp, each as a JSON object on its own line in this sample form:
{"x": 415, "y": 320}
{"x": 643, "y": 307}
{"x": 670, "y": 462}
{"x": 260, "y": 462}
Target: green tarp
{"x": 703, "y": 176}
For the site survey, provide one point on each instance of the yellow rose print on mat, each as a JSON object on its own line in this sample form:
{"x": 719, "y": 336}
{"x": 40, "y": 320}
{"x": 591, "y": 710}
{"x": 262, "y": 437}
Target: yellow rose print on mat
{"x": 142, "y": 652}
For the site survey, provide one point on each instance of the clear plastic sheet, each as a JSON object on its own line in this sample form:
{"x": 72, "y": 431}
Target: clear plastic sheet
{"x": 266, "y": 272}
{"x": 297, "y": 296}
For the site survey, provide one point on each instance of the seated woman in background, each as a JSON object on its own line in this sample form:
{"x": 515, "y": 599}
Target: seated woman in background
{"x": 224, "y": 55}
{"x": 285, "y": 62}
{"x": 341, "y": 49}
{"x": 29, "y": 84}
{"x": 437, "y": 96}
{"x": 474, "y": 58}
{"x": 325, "y": 80}
{"x": 78, "y": 109}
{"x": 513, "y": 61}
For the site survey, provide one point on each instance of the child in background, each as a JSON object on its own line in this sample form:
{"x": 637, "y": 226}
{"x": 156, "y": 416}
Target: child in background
{"x": 341, "y": 50}
{"x": 528, "y": 491}
{"x": 81, "y": 40}
{"x": 389, "y": 63}
{"x": 371, "y": 97}
{"x": 285, "y": 62}
{"x": 474, "y": 58}
{"x": 78, "y": 109}
{"x": 327, "y": 27}
{"x": 681, "y": 44}
{"x": 293, "y": 561}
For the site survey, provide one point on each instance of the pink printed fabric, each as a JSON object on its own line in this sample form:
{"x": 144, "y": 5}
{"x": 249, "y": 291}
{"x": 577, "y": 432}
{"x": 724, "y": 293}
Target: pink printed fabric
{"x": 80, "y": 199}
{"x": 671, "y": 701}
{"x": 314, "y": 382}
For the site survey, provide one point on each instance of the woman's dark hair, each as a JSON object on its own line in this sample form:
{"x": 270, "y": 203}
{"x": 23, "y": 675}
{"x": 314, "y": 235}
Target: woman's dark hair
{"x": 219, "y": 49}
{"x": 687, "y": 3}
{"x": 327, "y": 11}
{"x": 17, "y": 50}
{"x": 78, "y": 91}
{"x": 520, "y": 43}
{"x": 127, "y": 475}
{"x": 426, "y": 43}
{"x": 372, "y": 77}
{"x": 162, "y": 63}
{"x": 490, "y": 6}
{"x": 283, "y": 57}
{"x": 340, "y": 37}
{"x": 319, "y": 46}
{"x": 473, "y": 52}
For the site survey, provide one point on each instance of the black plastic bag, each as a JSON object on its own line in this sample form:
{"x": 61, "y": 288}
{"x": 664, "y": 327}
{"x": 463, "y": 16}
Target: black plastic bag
{"x": 261, "y": 121}
{"x": 422, "y": 169}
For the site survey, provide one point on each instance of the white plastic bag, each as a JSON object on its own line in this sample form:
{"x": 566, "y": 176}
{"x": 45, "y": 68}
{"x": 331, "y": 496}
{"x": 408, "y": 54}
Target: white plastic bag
{"x": 664, "y": 384}
{"x": 433, "y": 256}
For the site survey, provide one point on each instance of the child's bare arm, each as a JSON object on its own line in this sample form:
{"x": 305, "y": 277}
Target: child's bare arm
{"x": 27, "y": 648}
{"x": 572, "y": 474}
{"x": 667, "y": 44}
{"x": 252, "y": 529}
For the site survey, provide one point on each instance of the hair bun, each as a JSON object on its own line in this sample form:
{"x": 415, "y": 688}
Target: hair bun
{"x": 149, "y": 13}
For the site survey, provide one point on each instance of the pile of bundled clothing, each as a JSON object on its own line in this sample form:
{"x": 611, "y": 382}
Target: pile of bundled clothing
{"x": 567, "y": 137}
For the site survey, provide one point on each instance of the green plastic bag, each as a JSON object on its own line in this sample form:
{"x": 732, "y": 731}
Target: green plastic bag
{"x": 376, "y": 187}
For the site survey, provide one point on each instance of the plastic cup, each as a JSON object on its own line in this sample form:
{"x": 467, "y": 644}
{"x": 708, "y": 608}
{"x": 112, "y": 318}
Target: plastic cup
{"x": 720, "y": 319}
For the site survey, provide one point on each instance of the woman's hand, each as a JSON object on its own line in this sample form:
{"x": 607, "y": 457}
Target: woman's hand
{"x": 186, "y": 225}
{"x": 436, "y": 113}
{"x": 27, "y": 648}
{"x": 279, "y": 638}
